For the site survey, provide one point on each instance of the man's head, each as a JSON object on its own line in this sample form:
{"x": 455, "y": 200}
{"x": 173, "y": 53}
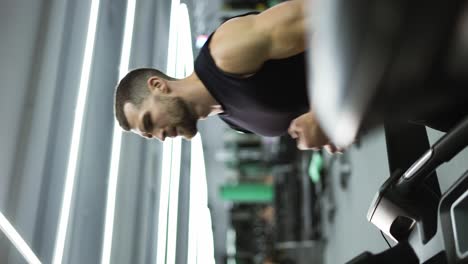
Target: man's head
{"x": 146, "y": 105}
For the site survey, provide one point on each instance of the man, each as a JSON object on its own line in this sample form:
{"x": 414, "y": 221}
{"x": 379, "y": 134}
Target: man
{"x": 250, "y": 72}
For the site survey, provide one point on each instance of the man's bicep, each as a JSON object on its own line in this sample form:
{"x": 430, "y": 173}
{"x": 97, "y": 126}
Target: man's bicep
{"x": 243, "y": 44}
{"x": 240, "y": 47}
{"x": 284, "y": 24}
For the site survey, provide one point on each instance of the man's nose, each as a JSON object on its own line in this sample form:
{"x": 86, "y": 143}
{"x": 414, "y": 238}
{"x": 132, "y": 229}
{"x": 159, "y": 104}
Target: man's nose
{"x": 161, "y": 135}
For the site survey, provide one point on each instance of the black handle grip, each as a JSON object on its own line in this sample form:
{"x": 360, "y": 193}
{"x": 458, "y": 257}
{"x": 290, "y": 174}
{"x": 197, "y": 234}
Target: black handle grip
{"x": 442, "y": 151}
{"x": 402, "y": 253}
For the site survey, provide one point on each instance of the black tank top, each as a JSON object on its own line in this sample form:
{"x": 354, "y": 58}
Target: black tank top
{"x": 264, "y": 103}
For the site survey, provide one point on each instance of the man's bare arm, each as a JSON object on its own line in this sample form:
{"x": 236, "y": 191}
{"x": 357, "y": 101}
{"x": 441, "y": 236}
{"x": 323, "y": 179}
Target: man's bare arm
{"x": 242, "y": 45}
{"x": 308, "y": 134}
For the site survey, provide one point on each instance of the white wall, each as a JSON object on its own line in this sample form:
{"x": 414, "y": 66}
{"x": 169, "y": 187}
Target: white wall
{"x": 19, "y": 27}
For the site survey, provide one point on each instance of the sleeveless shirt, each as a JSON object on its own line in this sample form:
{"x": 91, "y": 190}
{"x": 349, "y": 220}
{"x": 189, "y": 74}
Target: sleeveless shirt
{"x": 264, "y": 103}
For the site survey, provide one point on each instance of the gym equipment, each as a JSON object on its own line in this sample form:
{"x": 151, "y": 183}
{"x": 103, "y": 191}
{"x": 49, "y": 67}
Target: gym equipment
{"x": 407, "y": 210}
{"x": 296, "y": 199}
{"x": 401, "y": 253}
{"x": 372, "y": 60}
{"x": 379, "y": 62}
{"x": 247, "y": 193}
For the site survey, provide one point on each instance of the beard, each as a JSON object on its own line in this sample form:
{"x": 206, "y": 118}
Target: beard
{"x": 181, "y": 116}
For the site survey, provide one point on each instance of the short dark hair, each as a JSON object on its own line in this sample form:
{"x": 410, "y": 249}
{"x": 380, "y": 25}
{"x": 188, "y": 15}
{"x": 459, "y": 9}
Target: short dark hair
{"x": 132, "y": 88}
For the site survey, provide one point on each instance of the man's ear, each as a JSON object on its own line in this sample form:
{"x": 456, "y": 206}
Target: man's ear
{"x": 156, "y": 84}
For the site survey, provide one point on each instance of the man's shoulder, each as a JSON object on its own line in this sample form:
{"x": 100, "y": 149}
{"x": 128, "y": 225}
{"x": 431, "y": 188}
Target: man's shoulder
{"x": 227, "y": 34}
{"x": 238, "y": 46}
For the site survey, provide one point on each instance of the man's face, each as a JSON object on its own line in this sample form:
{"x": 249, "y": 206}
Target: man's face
{"x": 161, "y": 116}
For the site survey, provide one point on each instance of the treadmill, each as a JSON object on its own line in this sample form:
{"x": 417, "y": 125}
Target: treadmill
{"x": 402, "y": 64}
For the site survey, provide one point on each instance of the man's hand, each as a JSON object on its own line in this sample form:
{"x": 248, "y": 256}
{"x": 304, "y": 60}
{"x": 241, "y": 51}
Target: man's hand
{"x": 308, "y": 134}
